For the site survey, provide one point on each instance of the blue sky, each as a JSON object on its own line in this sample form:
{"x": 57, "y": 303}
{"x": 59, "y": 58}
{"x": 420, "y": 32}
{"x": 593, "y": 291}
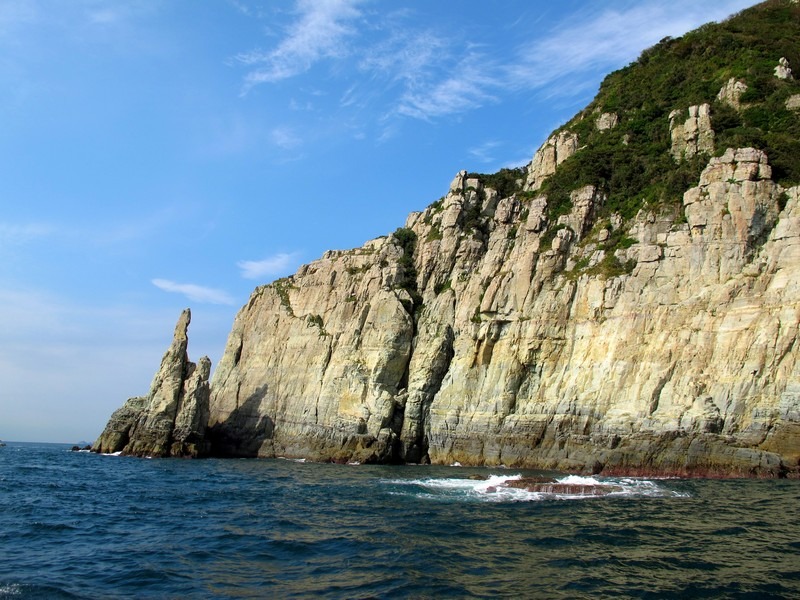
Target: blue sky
{"x": 159, "y": 154}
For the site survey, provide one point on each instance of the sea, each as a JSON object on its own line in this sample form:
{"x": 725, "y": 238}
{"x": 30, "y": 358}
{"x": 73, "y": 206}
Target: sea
{"x": 83, "y": 525}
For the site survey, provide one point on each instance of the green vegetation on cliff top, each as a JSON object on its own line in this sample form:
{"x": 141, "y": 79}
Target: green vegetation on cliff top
{"x": 631, "y": 163}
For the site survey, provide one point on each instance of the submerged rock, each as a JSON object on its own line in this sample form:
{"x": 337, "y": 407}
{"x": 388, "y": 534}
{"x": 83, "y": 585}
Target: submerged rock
{"x": 544, "y": 486}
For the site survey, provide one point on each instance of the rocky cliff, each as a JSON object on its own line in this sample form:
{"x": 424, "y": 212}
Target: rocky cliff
{"x": 171, "y": 419}
{"x": 628, "y": 302}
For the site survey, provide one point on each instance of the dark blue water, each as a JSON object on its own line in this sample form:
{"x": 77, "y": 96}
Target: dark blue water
{"x": 79, "y": 525}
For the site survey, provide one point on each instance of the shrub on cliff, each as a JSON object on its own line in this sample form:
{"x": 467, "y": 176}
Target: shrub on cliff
{"x": 631, "y": 163}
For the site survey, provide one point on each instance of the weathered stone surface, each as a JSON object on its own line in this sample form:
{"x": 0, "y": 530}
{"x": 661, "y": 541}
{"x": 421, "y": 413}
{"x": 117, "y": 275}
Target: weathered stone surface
{"x": 793, "y": 102}
{"x": 693, "y": 135}
{"x": 686, "y": 365}
{"x": 553, "y": 152}
{"x": 496, "y": 348}
{"x": 544, "y": 486}
{"x": 606, "y": 121}
{"x": 731, "y": 92}
{"x": 783, "y": 70}
{"x": 188, "y": 433}
{"x": 324, "y": 380}
{"x": 585, "y": 202}
{"x": 171, "y": 419}
{"x": 116, "y": 435}
{"x": 563, "y": 332}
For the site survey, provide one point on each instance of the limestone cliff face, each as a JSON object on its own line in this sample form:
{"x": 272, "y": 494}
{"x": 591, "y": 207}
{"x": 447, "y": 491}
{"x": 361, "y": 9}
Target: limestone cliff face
{"x": 522, "y": 352}
{"x": 171, "y": 419}
{"x": 627, "y": 303}
{"x": 491, "y": 336}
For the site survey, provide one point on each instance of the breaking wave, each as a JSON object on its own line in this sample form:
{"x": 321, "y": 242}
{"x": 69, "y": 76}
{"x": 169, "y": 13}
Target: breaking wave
{"x": 516, "y": 488}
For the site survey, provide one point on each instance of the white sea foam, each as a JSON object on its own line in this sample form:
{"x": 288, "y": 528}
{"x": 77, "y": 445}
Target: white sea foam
{"x": 10, "y": 589}
{"x": 578, "y": 480}
{"x": 495, "y": 481}
{"x": 494, "y": 488}
{"x": 490, "y": 489}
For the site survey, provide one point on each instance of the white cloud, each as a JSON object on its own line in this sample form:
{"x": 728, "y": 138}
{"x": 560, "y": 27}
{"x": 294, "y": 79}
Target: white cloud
{"x": 285, "y": 138}
{"x": 106, "y": 13}
{"x": 484, "y": 152}
{"x": 320, "y": 32}
{"x": 105, "y": 16}
{"x": 421, "y": 73}
{"x": 193, "y": 292}
{"x": 406, "y": 55}
{"x": 271, "y": 266}
{"x": 241, "y": 7}
{"x": 468, "y": 89}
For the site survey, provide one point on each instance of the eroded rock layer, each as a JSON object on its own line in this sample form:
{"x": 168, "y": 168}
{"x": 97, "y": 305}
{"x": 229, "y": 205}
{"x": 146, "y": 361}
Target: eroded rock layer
{"x": 628, "y": 302}
{"x": 521, "y": 353}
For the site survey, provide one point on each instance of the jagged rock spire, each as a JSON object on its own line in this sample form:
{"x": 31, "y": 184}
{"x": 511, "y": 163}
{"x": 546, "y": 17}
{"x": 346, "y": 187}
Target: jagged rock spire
{"x": 170, "y": 420}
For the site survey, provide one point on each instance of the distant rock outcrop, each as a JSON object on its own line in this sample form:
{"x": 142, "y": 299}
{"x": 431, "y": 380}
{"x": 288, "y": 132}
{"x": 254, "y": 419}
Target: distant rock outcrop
{"x": 783, "y": 70}
{"x": 553, "y": 152}
{"x": 606, "y": 121}
{"x": 731, "y": 92}
{"x": 692, "y": 136}
{"x": 171, "y": 419}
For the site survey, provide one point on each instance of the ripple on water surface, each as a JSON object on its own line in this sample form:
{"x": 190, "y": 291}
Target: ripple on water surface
{"x": 81, "y": 525}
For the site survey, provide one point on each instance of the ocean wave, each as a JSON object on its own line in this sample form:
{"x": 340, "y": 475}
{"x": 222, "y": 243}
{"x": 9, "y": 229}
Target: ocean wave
{"x": 517, "y": 488}
{"x": 10, "y": 589}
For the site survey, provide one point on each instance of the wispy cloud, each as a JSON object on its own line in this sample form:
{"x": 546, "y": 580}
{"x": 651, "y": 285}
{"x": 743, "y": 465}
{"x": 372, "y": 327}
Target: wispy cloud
{"x": 557, "y": 63}
{"x": 241, "y": 7}
{"x": 420, "y": 73}
{"x": 195, "y": 293}
{"x": 105, "y": 16}
{"x": 271, "y": 266}
{"x": 286, "y": 138}
{"x": 15, "y": 233}
{"x": 606, "y": 38}
{"x": 406, "y": 55}
{"x": 105, "y": 13}
{"x": 468, "y": 89}
{"x": 484, "y": 152}
{"x": 320, "y": 32}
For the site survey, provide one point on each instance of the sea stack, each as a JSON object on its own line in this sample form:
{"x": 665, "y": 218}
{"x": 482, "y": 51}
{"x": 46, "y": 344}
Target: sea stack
{"x": 171, "y": 419}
